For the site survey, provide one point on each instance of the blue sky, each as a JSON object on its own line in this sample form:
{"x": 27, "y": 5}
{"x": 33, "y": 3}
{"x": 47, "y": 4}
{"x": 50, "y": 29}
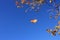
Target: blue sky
{"x": 15, "y": 23}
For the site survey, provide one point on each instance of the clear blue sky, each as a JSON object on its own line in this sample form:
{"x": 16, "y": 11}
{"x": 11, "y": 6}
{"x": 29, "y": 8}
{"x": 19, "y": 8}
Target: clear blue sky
{"x": 15, "y": 23}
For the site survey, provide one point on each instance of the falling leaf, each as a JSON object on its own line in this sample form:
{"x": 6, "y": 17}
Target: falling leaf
{"x": 58, "y": 22}
{"x": 50, "y": 1}
{"x": 59, "y": 33}
{"x": 57, "y": 27}
{"x": 54, "y": 32}
{"x": 49, "y": 30}
{"x": 18, "y": 6}
{"x": 34, "y": 21}
{"x": 22, "y": 1}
